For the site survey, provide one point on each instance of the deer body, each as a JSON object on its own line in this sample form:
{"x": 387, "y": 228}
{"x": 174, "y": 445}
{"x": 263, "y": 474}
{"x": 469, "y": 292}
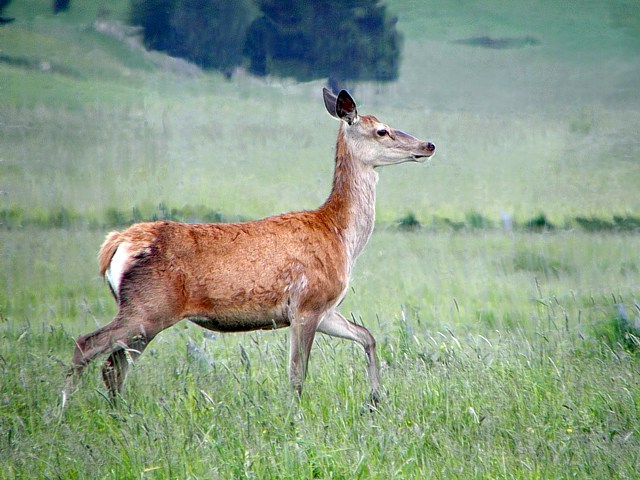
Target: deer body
{"x": 289, "y": 270}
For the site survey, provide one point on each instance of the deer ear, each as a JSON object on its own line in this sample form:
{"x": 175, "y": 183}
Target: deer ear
{"x": 346, "y": 107}
{"x": 330, "y": 102}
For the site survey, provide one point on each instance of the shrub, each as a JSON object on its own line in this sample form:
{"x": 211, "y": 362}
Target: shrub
{"x": 539, "y": 223}
{"x": 627, "y": 223}
{"x": 619, "y": 223}
{"x": 409, "y": 222}
{"x": 210, "y": 33}
{"x": 593, "y": 224}
{"x": 335, "y": 39}
{"x": 477, "y": 220}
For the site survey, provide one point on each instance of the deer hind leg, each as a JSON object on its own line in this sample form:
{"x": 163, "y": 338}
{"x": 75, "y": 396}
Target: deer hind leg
{"x": 91, "y": 345}
{"x": 123, "y": 339}
{"x": 336, "y": 325}
{"x": 303, "y": 331}
{"x": 114, "y": 369}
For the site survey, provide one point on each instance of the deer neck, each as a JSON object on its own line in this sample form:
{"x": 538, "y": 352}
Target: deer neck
{"x": 351, "y": 204}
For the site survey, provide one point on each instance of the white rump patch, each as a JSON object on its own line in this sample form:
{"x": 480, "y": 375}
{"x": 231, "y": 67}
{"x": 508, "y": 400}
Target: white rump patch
{"x": 117, "y": 267}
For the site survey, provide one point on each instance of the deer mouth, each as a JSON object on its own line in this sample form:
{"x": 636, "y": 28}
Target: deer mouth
{"x": 427, "y": 150}
{"x": 418, "y": 157}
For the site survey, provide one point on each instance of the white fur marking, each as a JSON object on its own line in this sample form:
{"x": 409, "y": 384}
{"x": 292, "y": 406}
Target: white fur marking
{"x": 117, "y": 267}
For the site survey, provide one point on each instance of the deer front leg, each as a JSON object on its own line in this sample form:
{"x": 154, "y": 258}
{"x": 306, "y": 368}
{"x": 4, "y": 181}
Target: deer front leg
{"x": 334, "y": 324}
{"x": 303, "y": 331}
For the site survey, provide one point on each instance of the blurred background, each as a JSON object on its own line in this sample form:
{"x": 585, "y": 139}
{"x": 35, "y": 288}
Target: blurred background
{"x": 116, "y": 111}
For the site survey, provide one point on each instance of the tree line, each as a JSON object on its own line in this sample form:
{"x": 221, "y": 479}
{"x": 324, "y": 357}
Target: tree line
{"x": 340, "y": 40}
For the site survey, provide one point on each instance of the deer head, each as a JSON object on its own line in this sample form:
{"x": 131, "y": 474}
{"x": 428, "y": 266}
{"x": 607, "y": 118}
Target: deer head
{"x": 378, "y": 144}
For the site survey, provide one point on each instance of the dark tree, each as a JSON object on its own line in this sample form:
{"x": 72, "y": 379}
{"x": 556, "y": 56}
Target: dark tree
{"x": 3, "y": 19}
{"x": 336, "y": 39}
{"x": 60, "y": 5}
{"x": 210, "y": 33}
{"x": 154, "y": 16}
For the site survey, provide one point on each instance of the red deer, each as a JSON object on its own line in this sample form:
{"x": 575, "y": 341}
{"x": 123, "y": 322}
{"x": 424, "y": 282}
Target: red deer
{"x": 290, "y": 270}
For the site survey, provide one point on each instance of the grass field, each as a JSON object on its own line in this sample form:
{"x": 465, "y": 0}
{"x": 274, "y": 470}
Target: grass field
{"x": 504, "y": 353}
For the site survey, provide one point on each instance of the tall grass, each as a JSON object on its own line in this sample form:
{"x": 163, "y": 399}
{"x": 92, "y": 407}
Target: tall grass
{"x": 462, "y": 407}
{"x": 203, "y": 152}
{"x": 499, "y": 357}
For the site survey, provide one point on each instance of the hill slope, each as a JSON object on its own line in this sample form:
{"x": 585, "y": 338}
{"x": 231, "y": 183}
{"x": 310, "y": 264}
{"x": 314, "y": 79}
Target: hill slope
{"x": 91, "y": 121}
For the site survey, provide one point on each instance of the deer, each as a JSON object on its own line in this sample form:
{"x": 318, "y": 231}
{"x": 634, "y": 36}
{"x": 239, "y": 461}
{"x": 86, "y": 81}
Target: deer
{"x": 289, "y": 270}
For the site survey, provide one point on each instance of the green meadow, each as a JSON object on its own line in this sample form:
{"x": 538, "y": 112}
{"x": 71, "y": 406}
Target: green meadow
{"x": 502, "y": 282}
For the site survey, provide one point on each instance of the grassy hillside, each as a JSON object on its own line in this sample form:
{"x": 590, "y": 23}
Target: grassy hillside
{"x": 521, "y": 130}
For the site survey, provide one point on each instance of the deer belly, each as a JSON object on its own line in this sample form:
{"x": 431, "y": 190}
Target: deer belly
{"x": 223, "y": 303}
{"x": 232, "y": 323}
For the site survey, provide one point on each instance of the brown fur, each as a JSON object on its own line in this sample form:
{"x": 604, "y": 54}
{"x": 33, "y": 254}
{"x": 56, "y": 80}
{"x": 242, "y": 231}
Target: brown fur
{"x": 286, "y": 270}
{"x": 227, "y": 274}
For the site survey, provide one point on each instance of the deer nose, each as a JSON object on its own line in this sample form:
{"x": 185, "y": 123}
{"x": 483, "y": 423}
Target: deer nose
{"x": 429, "y": 147}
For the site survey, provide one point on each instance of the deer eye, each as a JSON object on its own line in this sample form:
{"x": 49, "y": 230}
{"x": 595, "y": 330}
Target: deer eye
{"x": 382, "y": 132}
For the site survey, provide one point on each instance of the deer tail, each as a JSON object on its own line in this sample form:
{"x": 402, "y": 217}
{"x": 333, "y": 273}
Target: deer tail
{"x": 108, "y": 250}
